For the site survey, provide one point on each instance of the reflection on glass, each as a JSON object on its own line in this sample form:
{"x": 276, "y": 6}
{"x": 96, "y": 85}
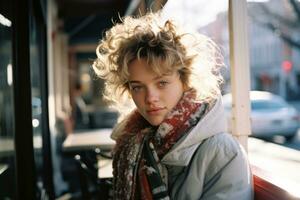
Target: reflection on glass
{"x": 7, "y": 153}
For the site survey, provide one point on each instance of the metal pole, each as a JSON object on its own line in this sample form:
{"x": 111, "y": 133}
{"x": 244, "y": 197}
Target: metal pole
{"x": 240, "y": 71}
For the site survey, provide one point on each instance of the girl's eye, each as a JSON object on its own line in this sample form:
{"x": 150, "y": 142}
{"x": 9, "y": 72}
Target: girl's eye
{"x": 136, "y": 88}
{"x": 162, "y": 83}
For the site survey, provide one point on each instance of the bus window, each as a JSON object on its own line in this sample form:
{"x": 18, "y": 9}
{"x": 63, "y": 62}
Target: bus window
{"x": 7, "y": 150}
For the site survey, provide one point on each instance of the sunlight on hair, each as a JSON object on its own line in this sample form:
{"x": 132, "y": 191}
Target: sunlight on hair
{"x": 166, "y": 47}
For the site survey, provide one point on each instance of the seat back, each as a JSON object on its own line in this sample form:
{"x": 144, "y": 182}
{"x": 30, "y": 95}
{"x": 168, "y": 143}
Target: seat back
{"x": 267, "y": 188}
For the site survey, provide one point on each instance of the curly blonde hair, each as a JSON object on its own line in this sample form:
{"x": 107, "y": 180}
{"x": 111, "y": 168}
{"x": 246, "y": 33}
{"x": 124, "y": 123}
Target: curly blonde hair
{"x": 166, "y": 48}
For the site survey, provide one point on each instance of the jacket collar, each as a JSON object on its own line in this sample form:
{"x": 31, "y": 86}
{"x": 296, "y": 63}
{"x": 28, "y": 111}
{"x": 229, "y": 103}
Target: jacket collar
{"x": 213, "y": 123}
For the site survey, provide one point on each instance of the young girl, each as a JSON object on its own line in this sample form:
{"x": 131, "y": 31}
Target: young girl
{"x": 173, "y": 144}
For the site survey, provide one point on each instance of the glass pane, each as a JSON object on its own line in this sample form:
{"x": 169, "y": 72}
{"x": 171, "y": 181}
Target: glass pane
{"x": 7, "y": 153}
{"x": 35, "y": 64}
{"x": 274, "y": 48}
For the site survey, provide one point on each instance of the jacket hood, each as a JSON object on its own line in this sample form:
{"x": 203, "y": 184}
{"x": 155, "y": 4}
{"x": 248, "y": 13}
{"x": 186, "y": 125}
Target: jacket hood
{"x": 214, "y": 122}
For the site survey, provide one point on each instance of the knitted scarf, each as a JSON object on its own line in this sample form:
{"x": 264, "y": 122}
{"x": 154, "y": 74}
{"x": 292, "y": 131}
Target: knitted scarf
{"x": 137, "y": 169}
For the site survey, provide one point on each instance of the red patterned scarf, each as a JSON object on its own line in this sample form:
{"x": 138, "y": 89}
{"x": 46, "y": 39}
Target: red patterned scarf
{"x": 136, "y": 163}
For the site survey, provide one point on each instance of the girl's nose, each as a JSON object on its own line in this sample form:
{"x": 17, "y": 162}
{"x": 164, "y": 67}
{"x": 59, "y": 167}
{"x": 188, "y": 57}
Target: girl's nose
{"x": 152, "y": 96}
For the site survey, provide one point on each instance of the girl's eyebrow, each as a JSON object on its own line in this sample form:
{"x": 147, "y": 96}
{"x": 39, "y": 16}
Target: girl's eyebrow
{"x": 155, "y": 78}
{"x": 162, "y": 76}
{"x": 132, "y": 82}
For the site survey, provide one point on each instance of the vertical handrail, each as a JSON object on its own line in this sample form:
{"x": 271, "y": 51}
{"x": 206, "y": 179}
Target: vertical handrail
{"x": 23, "y": 134}
{"x": 239, "y": 69}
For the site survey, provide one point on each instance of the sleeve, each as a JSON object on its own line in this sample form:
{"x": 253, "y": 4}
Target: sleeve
{"x": 227, "y": 174}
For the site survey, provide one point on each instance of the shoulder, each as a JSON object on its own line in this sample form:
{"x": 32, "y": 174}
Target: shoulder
{"x": 217, "y": 152}
{"x": 222, "y": 143}
{"x": 215, "y": 165}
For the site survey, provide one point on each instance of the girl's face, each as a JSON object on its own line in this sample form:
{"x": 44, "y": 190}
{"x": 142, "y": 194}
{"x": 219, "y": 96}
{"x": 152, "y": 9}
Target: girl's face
{"x": 154, "y": 96}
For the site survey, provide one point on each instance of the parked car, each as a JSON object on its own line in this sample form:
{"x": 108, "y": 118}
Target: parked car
{"x": 270, "y": 115}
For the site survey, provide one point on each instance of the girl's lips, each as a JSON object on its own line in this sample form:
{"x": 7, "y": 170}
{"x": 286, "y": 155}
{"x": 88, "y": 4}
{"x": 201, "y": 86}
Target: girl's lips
{"x": 154, "y": 111}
